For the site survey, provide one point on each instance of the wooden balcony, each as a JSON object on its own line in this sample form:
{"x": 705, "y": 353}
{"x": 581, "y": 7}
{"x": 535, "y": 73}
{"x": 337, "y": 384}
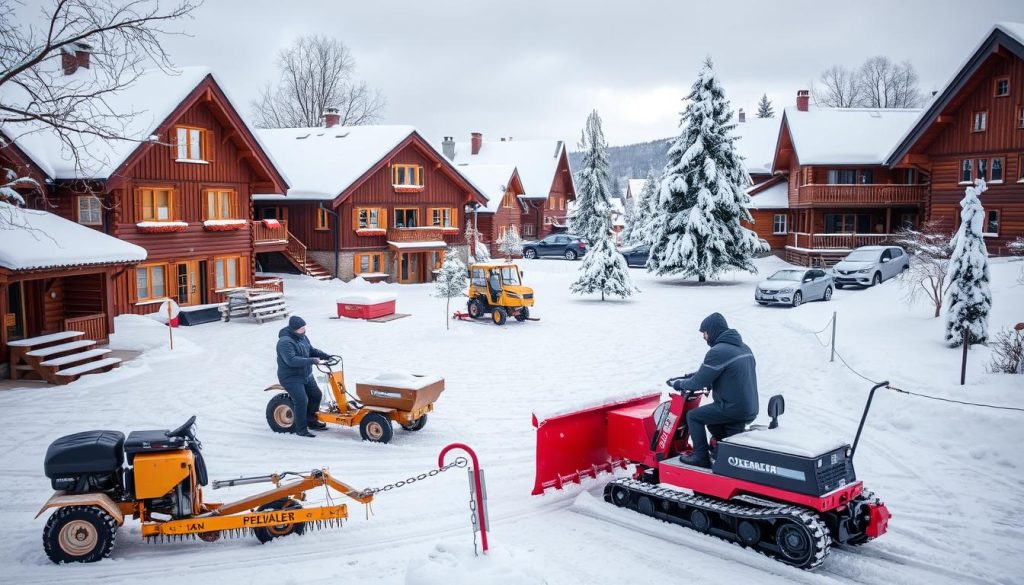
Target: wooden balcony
{"x": 420, "y": 234}
{"x": 840, "y": 242}
{"x": 269, "y": 239}
{"x": 860, "y": 195}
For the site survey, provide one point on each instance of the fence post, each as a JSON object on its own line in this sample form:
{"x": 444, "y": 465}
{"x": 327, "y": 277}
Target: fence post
{"x": 833, "y": 358}
{"x": 963, "y": 364}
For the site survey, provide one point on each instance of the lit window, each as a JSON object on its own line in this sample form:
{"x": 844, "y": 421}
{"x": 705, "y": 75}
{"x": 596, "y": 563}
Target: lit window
{"x": 966, "y": 175}
{"x": 149, "y": 282}
{"x": 156, "y": 204}
{"x": 997, "y": 170}
{"x": 1003, "y": 87}
{"x": 220, "y": 204}
{"x": 779, "y": 223}
{"x": 190, "y": 143}
{"x": 90, "y": 210}
{"x": 407, "y": 175}
{"x": 980, "y": 122}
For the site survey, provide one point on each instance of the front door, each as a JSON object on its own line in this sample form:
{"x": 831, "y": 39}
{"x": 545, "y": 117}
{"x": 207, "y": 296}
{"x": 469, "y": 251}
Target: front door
{"x": 409, "y": 267}
{"x": 14, "y": 319}
{"x": 187, "y": 290}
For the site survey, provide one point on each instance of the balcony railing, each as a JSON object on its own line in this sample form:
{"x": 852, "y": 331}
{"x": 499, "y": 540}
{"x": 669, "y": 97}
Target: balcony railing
{"x": 842, "y": 242}
{"x": 93, "y": 326}
{"x": 861, "y": 194}
{"x": 264, "y": 234}
{"x": 420, "y": 234}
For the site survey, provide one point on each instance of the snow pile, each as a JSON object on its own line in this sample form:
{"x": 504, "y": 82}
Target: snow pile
{"x": 400, "y": 379}
{"x": 366, "y": 298}
{"x": 788, "y": 439}
{"x": 593, "y": 404}
{"x": 215, "y": 222}
{"x": 491, "y": 180}
{"x": 847, "y": 135}
{"x": 452, "y": 562}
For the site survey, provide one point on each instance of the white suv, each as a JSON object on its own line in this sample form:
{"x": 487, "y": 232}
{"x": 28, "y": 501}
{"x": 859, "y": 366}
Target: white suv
{"x": 870, "y": 265}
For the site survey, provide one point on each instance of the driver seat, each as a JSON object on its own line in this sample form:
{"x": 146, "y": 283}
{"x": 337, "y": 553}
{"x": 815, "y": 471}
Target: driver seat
{"x": 157, "y": 441}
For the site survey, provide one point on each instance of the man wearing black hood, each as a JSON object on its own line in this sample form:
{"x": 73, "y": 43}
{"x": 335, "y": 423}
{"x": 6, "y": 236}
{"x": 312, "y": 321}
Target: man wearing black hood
{"x": 729, "y": 369}
{"x": 295, "y": 359}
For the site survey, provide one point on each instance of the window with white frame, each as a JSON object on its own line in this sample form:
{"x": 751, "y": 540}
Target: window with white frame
{"x": 190, "y": 143}
{"x": 996, "y": 171}
{"x": 779, "y": 223}
{"x": 980, "y": 122}
{"x": 991, "y": 223}
{"x": 90, "y": 210}
{"x": 966, "y": 171}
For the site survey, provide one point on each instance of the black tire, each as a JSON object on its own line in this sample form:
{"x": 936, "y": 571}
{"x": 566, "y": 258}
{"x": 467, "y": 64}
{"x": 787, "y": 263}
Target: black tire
{"x": 838, "y": 286}
{"x": 529, "y": 253}
{"x": 499, "y": 316}
{"x": 523, "y": 314}
{"x": 417, "y": 425}
{"x": 795, "y": 542}
{"x": 798, "y": 298}
{"x": 79, "y": 534}
{"x": 828, "y": 294}
{"x": 876, "y": 279}
{"x": 376, "y": 428}
{"x": 570, "y": 254}
{"x": 476, "y": 308}
{"x": 267, "y": 533}
{"x": 281, "y": 413}
{"x": 762, "y": 303}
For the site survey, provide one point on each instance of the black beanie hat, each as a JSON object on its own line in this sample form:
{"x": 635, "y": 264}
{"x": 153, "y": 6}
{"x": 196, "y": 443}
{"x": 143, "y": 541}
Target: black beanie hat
{"x": 296, "y": 322}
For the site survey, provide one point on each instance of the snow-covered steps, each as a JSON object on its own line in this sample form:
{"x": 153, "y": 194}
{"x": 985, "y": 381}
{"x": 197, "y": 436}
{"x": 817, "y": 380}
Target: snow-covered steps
{"x": 103, "y": 365}
{"x": 62, "y": 348}
{"x": 60, "y": 358}
{"x": 76, "y": 357}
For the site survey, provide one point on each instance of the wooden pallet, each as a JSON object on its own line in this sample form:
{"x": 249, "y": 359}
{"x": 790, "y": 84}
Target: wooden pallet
{"x": 259, "y": 304}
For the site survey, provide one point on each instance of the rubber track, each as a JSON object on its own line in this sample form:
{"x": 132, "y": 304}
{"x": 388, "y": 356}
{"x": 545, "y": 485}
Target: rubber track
{"x": 810, "y": 521}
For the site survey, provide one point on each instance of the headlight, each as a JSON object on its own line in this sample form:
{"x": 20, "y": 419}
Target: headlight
{"x": 786, "y": 290}
{"x": 864, "y": 271}
{"x": 513, "y": 295}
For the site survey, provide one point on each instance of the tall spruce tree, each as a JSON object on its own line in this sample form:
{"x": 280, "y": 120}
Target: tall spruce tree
{"x": 603, "y": 269}
{"x": 702, "y": 194}
{"x": 969, "y": 299}
{"x": 637, "y": 222}
{"x": 764, "y": 108}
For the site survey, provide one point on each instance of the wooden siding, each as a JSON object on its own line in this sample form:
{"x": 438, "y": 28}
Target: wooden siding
{"x": 561, "y": 189}
{"x": 764, "y": 226}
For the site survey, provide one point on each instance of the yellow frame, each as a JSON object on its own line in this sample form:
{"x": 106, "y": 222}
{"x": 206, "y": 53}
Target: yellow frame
{"x": 241, "y": 276}
{"x": 233, "y": 206}
{"x": 417, "y": 175}
{"x": 322, "y": 219}
{"x": 452, "y": 217}
{"x": 172, "y": 202}
{"x": 371, "y": 256}
{"x": 397, "y": 209}
{"x": 149, "y": 281}
{"x": 382, "y": 218}
{"x": 203, "y": 133}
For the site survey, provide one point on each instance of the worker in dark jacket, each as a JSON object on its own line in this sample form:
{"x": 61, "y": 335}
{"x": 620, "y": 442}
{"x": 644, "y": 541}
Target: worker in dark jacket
{"x": 295, "y": 359}
{"x": 729, "y": 369}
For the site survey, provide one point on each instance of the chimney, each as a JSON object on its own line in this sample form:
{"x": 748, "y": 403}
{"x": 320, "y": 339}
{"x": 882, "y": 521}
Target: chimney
{"x": 803, "y": 100}
{"x": 74, "y": 57}
{"x": 503, "y": 139}
{"x": 476, "y": 141}
{"x": 448, "y": 147}
{"x": 331, "y": 117}
{"x": 743, "y": 116}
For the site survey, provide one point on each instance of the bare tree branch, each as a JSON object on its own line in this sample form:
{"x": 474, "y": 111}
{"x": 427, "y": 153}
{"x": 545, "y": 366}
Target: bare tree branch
{"x": 838, "y": 87}
{"x": 878, "y": 83}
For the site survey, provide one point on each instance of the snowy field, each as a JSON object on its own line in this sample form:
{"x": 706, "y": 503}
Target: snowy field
{"x": 951, "y": 475}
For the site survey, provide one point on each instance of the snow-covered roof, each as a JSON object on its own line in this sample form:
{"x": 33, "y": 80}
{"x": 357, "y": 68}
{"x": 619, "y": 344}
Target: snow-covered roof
{"x": 34, "y": 239}
{"x": 536, "y": 161}
{"x": 774, "y": 197}
{"x": 491, "y": 180}
{"x": 755, "y": 142}
{"x": 1014, "y": 29}
{"x": 847, "y": 135}
{"x": 635, "y": 186}
{"x": 322, "y": 162}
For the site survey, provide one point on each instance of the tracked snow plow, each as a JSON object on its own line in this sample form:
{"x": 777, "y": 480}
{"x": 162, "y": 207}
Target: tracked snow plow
{"x": 786, "y": 494}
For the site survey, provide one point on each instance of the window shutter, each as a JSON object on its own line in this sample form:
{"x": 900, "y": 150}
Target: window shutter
{"x": 355, "y": 218}
{"x": 138, "y": 206}
{"x": 204, "y": 204}
{"x": 382, "y": 218}
{"x": 133, "y": 291}
{"x": 210, "y": 146}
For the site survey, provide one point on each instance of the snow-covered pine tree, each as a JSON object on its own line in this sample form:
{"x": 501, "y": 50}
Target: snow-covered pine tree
{"x": 702, "y": 196}
{"x": 452, "y": 281}
{"x": 969, "y": 299}
{"x": 478, "y": 251}
{"x": 590, "y": 215}
{"x": 604, "y": 270}
{"x": 629, "y": 219}
{"x": 764, "y": 108}
{"x": 638, "y": 227}
{"x": 511, "y": 245}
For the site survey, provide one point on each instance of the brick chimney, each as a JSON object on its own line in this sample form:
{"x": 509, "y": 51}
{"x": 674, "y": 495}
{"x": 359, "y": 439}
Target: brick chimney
{"x": 75, "y": 57}
{"x": 448, "y": 147}
{"x": 332, "y": 117}
{"x": 476, "y": 141}
{"x": 803, "y": 100}
{"x": 742, "y": 116}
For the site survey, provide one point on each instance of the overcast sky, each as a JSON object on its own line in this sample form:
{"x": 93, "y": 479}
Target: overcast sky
{"x": 534, "y": 69}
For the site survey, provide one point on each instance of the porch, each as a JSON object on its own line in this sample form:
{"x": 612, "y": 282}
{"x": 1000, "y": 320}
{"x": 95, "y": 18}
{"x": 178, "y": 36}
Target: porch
{"x": 270, "y": 235}
{"x": 822, "y": 250}
{"x": 418, "y": 253}
{"x": 859, "y": 195}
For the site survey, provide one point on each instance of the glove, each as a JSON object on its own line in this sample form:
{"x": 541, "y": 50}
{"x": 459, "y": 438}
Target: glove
{"x": 677, "y": 383}
{"x": 317, "y": 361}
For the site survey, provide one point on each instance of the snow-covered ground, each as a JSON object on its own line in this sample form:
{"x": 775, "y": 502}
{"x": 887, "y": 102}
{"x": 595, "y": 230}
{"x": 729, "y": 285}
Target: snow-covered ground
{"x": 952, "y": 475}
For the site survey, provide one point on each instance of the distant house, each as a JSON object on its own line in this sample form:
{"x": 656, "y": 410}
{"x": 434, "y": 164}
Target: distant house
{"x": 372, "y": 201}
{"x": 633, "y": 189}
{"x": 543, "y": 167}
{"x": 618, "y": 214}
{"x": 755, "y": 142}
{"x": 505, "y": 206}
{"x": 769, "y": 207}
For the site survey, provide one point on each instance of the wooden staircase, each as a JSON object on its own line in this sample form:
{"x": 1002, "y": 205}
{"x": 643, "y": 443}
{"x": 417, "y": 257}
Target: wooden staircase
{"x": 296, "y": 254}
{"x": 59, "y": 358}
{"x": 259, "y": 304}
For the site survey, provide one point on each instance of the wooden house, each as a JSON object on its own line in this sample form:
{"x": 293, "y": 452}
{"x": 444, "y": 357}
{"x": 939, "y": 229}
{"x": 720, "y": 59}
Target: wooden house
{"x": 769, "y": 208}
{"x": 373, "y": 201}
{"x": 505, "y": 206}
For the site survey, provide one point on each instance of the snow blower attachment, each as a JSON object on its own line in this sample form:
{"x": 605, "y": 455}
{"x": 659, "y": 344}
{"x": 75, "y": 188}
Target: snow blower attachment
{"x": 162, "y": 485}
{"x": 786, "y": 494}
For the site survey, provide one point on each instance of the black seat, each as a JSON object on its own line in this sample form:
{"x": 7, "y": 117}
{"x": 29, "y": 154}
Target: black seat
{"x": 84, "y": 453}
{"x": 151, "y": 441}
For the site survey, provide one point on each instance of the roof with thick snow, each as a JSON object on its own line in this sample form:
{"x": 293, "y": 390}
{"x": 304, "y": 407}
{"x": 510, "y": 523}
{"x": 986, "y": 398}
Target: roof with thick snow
{"x": 322, "y": 162}
{"x": 634, "y": 187}
{"x": 491, "y": 180}
{"x": 846, "y": 135}
{"x": 34, "y": 239}
{"x": 755, "y": 142}
{"x": 536, "y": 161}
{"x": 774, "y": 197}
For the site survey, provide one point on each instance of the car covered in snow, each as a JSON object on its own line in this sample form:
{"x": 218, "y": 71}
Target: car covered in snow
{"x": 870, "y": 265}
{"x": 636, "y": 255}
{"x": 793, "y": 286}
{"x": 560, "y": 245}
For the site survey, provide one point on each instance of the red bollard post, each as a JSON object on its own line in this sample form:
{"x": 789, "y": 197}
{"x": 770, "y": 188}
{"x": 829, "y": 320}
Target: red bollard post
{"x": 476, "y": 482}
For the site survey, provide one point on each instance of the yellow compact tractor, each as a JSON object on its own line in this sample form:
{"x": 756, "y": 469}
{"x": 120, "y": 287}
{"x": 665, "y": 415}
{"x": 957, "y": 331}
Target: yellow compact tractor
{"x": 162, "y": 485}
{"x": 497, "y": 288}
{"x": 395, "y": 397}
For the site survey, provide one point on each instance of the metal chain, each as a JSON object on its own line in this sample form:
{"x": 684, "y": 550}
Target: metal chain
{"x": 472, "y": 517}
{"x": 458, "y": 462}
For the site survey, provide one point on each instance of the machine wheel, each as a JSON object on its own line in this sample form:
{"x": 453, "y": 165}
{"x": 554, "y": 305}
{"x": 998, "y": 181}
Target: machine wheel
{"x": 700, "y": 520}
{"x": 280, "y": 413}
{"x": 79, "y": 534}
{"x": 620, "y": 496}
{"x": 877, "y": 280}
{"x": 748, "y": 532}
{"x": 828, "y": 294}
{"x": 795, "y": 542}
{"x": 418, "y": 424}
{"x": 798, "y": 298}
{"x": 570, "y": 255}
{"x": 499, "y": 316}
{"x": 268, "y": 533}
{"x": 523, "y": 314}
{"x": 475, "y": 308}
{"x": 376, "y": 428}
{"x": 839, "y": 285}
{"x": 529, "y": 253}
{"x": 762, "y": 303}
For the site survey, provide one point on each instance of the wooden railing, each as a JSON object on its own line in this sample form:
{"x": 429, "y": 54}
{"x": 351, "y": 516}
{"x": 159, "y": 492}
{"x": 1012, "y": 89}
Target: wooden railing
{"x": 296, "y": 249}
{"x": 847, "y": 241}
{"x": 262, "y": 233}
{"x": 861, "y": 194}
{"x": 269, "y": 284}
{"x": 93, "y": 326}
{"x": 418, "y": 234}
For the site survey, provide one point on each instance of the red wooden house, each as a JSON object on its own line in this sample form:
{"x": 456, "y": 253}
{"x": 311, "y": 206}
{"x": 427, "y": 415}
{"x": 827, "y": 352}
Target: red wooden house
{"x": 505, "y": 207}
{"x": 180, "y": 188}
{"x": 974, "y": 129}
{"x": 371, "y": 201}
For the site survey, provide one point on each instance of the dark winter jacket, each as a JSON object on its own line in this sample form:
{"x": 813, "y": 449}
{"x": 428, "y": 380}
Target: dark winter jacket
{"x": 295, "y": 356}
{"x": 729, "y": 369}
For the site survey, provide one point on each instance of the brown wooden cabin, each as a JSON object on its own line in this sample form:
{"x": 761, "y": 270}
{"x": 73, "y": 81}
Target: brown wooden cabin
{"x": 505, "y": 208}
{"x": 974, "y": 129}
{"x": 769, "y": 208}
{"x": 384, "y": 204}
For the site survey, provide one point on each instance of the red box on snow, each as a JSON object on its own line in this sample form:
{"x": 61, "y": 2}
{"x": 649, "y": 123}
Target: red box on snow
{"x": 366, "y": 305}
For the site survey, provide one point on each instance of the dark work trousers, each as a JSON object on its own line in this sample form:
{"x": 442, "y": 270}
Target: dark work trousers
{"x": 305, "y": 401}
{"x": 720, "y": 424}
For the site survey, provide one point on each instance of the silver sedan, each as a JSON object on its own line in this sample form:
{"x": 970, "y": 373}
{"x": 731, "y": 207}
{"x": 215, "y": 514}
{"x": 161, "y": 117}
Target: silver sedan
{"x": 793, "y": 286}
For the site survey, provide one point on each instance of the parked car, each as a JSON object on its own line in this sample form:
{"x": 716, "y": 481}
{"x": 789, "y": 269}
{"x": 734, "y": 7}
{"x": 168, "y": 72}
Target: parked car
{"x": 564, "y": 245}
{"x": 870, "y": 265}
{"x": 636, "y": 255}
{"x": 793, "y": 286}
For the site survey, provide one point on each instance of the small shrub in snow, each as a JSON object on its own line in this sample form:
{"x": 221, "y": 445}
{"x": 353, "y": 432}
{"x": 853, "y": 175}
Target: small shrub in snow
{"x": 1008, "y": 351}
{"x": 969, "y": 298}
{"x": 452, "y": 281}
{"x": 511, "y": 245}
{"x": 929, "y": 249}
{"x": 1016, "y": 247}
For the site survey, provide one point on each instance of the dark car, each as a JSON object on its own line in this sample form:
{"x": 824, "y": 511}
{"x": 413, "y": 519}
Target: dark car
{"x": 563, "y": 245}
{"x": 636, "y": 255}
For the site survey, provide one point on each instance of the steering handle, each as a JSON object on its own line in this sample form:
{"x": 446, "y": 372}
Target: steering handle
{"x": 185, "y": 430}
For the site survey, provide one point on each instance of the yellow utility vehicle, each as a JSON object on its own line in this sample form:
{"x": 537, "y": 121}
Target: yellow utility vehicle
{"x": 497, "y": 288}
{"x": 402, "y": 398}
{"x": 162, "y": 485}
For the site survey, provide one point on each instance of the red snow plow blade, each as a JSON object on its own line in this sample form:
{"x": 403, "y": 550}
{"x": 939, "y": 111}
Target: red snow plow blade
{"x": 575, "y": 445}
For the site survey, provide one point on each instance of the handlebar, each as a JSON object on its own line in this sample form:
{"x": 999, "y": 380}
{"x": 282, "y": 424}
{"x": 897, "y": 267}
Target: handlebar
{"x": 185, "y": 431}
{"x": 327, "y": 365}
